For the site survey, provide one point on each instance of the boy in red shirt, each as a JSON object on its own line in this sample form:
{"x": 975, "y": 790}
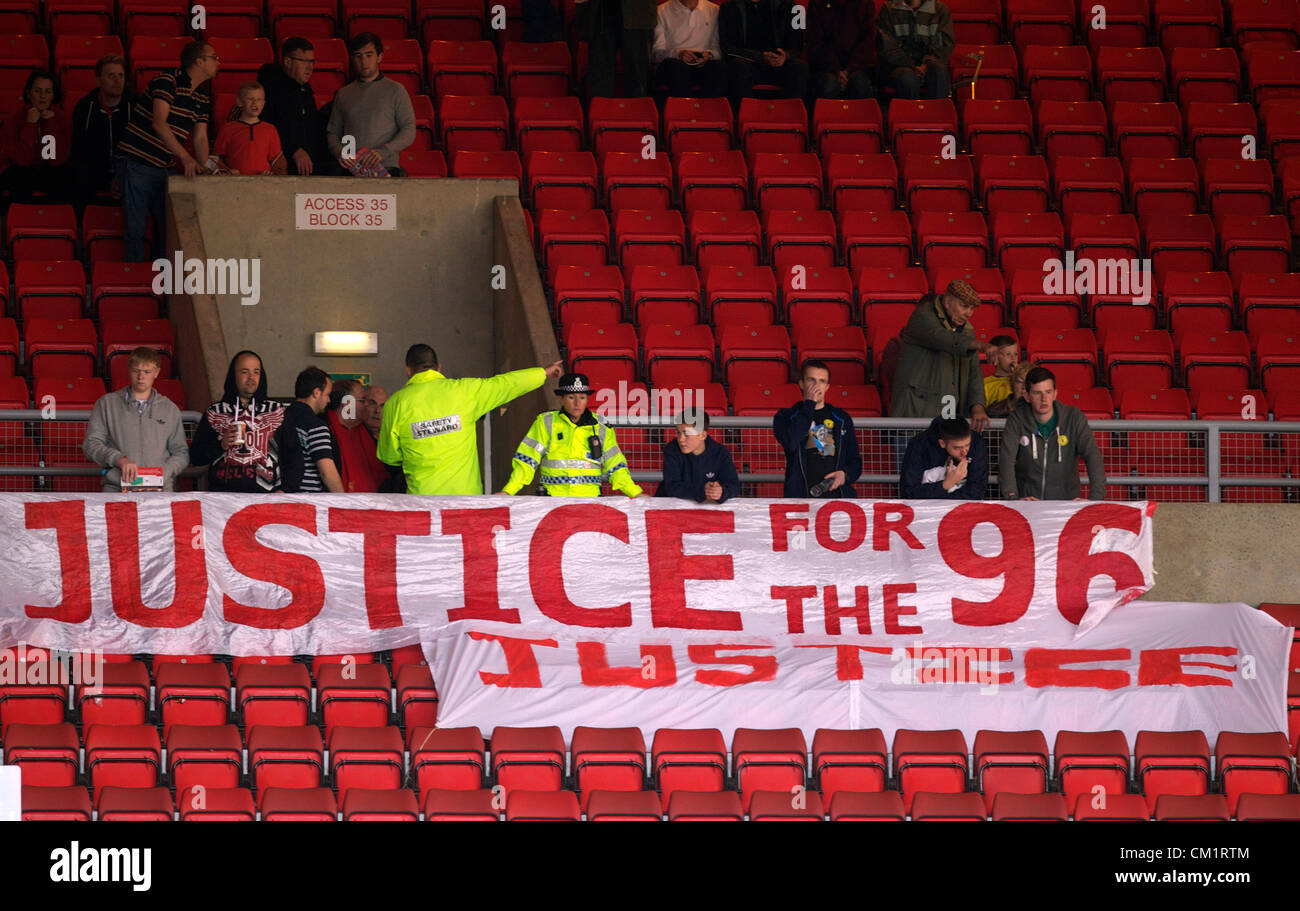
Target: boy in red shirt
{"x": 249, "y": 145}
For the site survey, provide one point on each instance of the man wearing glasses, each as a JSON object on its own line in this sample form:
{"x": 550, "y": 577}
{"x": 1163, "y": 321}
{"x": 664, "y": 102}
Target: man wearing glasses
{"x": 173, "y": 111}
{"x": 291, "y": 107}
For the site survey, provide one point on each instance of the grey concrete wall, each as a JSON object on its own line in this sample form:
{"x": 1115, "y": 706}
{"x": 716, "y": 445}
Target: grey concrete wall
{"x": 1226, "y": 552}
{"x": 428, "y": 281}
{"x": 524, "y": 335}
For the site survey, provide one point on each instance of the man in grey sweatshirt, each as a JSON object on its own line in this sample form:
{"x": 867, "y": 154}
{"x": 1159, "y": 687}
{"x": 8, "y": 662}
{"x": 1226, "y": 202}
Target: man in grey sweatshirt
{"x": 137, "y": 426}
{"x": 375, "y": 112}
{"x": 1041, "y": 446}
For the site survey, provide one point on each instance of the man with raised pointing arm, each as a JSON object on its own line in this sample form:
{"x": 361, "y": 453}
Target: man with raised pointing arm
{"x": 428, "y": 424}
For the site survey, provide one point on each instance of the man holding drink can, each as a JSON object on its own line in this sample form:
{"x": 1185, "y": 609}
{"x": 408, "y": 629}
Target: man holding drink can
{"x": 236, "y": 439}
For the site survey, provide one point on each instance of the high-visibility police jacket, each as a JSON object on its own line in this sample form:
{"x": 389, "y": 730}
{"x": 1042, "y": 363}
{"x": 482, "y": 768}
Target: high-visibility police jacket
{"x": 561, "y": 453}
{"x": 428, "y": 427}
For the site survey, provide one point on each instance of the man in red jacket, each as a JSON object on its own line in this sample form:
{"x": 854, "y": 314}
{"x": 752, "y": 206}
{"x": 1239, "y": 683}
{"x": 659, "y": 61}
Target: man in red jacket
{"x": 39, "y": 142}
{"x": 842, "y": 47}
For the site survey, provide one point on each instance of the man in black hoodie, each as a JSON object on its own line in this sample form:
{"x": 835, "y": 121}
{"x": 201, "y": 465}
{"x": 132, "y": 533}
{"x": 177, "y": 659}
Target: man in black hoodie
{"x": 696, "y": 466}
{"x": 760, "y": 44}
{"x": 98, "y": 122}
{"x": 237, "y": 436}
{"x": 291, "y": 107}
{"x": 949, "y": 461}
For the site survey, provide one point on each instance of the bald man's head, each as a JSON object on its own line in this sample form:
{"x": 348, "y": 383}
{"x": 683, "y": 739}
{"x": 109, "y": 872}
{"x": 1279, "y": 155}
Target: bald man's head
{"x": 373, "y": 407}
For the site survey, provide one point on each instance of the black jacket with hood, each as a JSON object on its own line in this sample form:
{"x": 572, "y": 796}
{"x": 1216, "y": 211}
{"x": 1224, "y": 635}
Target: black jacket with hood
{"x": 253, "y": 467}
{"x": 924, "y": 453}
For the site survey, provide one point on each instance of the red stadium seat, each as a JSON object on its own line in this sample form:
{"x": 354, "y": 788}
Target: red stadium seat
{"x": 678, "y": 355}
{"x": 379, "y": 805}
{"x": 849, "y": 761}
{"x": 848, "y": 126}
{"x": 1264, "y": 20}
{"x": 461, "y": 68}
{"x": 754, "y": 354}
{"x": 1039, "y": 22}
{"x": 573, "y": 238}
{"x": 843, "y": 347}
{"x": 417, "y": 698}
{"x": 1203, "y": 300}
{"x": 536, "y": 70}
{"x": 863, "y": 181}
{"x": 357, "y": 695}
{"x": 542, "y": 806}
{"x": 210, "y": 756}
{"x": 61, "y": 348}
{"x": 1070, "y": 353}
{"x": 857, "y": 806}
{"x": 772, "y": 125}
{"x": 528, "y": 758}
{"x": 919, "y": 127}
{"x": 278, "y": 694}
{"x": 1179, "y": 243}
{"x": 455, "y": 20}
{"x": 479, "y": 805}
{"x": 1011, "y": 761}
{"x": 891, "y": 286}
{"x": 878, "y": 239}
{"x": 193, "y": 694}
{"x": 1254, "y": 243}
{"x": 688, "y": 761}
{"x": 51, "y": 290}
{"x": 447, "y": 759}
{"x": 806, "y": 239}
{"x": 607, "y": 761}
{"x": 724, "y": 239}
{"x": 1014, "y": 183}
{"x": 1191, "y": 807}
{"x": 1165, "y": 185}
{"x": 333, "y": 65}
{"x": 1130, "y": 74}
{"x": 1127, "y": 24}
{"x": 1273, "y": 74}
{"x": 241, "y": 58}
{"x": 477, "y": 122}
{"x": 698, "y": 125}
{"x": 121, "y": 338}
{"x": 297, "y": 805}
{"x": 1216, "y": 130}
{"x": 562, "y": 180}
{"x": 717, "y": 181}
{"x": 309, "y": 18}
{"x": 787, "y": 180}
{"x": 285, "y": 757}
{"x": 935, "y": 183}
{"x": 1053, "y": 73}
{"x": 606, "y": 352}
{"x": 122, "y": 755}
{"x": 1262, "y": 807}
{"x": 1146, "y": 129}
{"x": 1252, "y": 764}
{"x": 365, "y": 757}
{"x": 1004, "y": 126}
{"x": 1214, "y": 360}
{"x": 546, "y": 124}
{"x": 1240, "y": 187}
{"x": 930, "y": 761}
{"x": 932, "y": 806}
{"x": 665, "y": 294}
{"x": 786, "y": 806}
{"x": 41, "y": 231}
{"x": 1016, "y": 807}
{"x": 649, "y": 238}
{"x": 1188, "y": 23}
{"x": 632, "y": 181}
{"x": 135, "y": 804}
{"x": 215, "y": 805}
{"x": 1176, "y": 762}
{"x": 977, "y": 21}
{"x": 70, "y": 804}
{"x": 1072, "y": 128}
{"x": 999, "y": 72}
{"x": 47, "y": 754}
{"x": 955, "y": 239}
{"x": 818, "y": 296}
{"x": 1205, "y": 74}
{"x": 423, "y": 163}
{"x": 623, "y": 806}
{"x": 1025, "y": 240}
{"x": 389, "y": 19}
{"x": 622, "y": 125}
{"x": 704, "y": 806}
{"x": 769, "y": 760}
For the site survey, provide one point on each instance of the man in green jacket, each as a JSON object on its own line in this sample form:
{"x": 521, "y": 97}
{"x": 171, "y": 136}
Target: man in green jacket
{"x": 1042, "y": 444}
{"x": 428, "y": 424}
{"x": 916, "y": 43}
{"x": 939, "y": 367}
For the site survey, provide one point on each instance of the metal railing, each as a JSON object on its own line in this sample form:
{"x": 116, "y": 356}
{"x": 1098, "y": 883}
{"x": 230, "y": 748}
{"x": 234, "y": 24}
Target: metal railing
{"x": 1177, "y": 461}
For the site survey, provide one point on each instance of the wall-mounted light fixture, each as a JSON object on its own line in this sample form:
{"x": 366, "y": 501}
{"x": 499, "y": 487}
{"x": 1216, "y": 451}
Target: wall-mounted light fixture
{"x": 346, "y": 343}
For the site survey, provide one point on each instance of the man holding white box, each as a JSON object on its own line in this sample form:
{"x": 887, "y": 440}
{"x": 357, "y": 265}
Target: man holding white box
{"x": 135, "y": 432}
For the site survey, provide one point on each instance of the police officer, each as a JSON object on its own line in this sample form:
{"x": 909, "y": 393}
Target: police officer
{"x": 573, "y": 450}
{"x": 428, "y": 426}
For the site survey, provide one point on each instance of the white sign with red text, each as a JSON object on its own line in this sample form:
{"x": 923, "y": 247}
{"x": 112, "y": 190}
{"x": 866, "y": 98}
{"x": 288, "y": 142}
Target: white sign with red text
{"x": 675, "y": 609}
{"x": 345, "y": 211}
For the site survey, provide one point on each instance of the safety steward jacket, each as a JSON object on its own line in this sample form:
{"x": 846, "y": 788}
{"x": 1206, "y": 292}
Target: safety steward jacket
{"x": 428, "y": 427}
{"x": 571, "y": 459}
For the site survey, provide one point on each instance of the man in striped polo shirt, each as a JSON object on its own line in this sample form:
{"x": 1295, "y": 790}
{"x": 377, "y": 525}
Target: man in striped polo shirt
{"x": 308, "y": 455}
{"x": 174, "y": 109}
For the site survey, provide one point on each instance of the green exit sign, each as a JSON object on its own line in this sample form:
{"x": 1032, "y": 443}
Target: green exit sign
{"x": 362, "y": 378}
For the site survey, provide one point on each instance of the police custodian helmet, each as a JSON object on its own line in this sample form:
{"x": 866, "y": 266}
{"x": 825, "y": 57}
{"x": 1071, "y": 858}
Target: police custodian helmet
{"x": 573, "y": 382}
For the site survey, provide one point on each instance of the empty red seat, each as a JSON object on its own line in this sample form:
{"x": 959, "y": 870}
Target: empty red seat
{"x": 623, "y": 806}
{"x": 1179, "y": 243}
{"x": 955, "y": 239}
{"x": 1260, "y": 807}
{"x": 633, "y": 181}
{"x": 1165, "y": 185}
{"x": 1056, "y": 73}
{"x": 74, "y": 17}
{"x": 61, "y": 347}
{"x": 546, "y": 124}
{"x": 122, "y": 755}
{"x": 1130, "y": 74}
{"x": 724, "y": 239}
{"x": 1174, "y": 762}
{"x": 1014, "y": 183}
{"x": 365, "y": 757}
{"x": 135, "y": 804}
{"x": 451, "y": 19}
{"x": 41, "y": 231}
{"x": 858, "y": 806}
{"x": 357, "y": 695}
{"x": 882, "y": 239}
{"x": 717, "y": 180}
{"x": 542, "y": 806}
{"x": 1106, "y": 806}
{"x": 623, "y": 125}
{"x": 704, "y": 806}
{"x": 1015, "y": 807}
{"x": 1145, "y": 129}
{"x": 849, "y": 761}
{"x": 478, "y": 122}
{"x": 389, "y": 19}
{"x": 1203, "y": 300}
{"x": 215, "y": 805}
{"x": 818, "y": 296}
{"x": 573, "y": 238}
{"x": 68, "y": 804}
{"x": 1072, "y": 128}
{"x": 1273, "y": 74}
{"x": 461, "y": 68}
{"x": 862, "y": 181}
{"x": 1216, "y": 130}
{"x": 1010, "y": 761}
{"x": 562, "y": 180}
{"x": 678, "y": 355}
{"x": 1254, "y": 243}
{"x": 754, "y": 354}
{"x": 379, "y": 805}
{"x": 1238, "y": 187}
{"x": 607, "y": 761}
{"x": 1191, "y": 807}
{"x": 528, "y": 758}
{"x": 285, "y": 757}
{"x": 976, "y": 21}
{"x": 47, "y": 754}
{"x": 1003, "y": 126}
{"x": 652, "y": 238}
{"x": 787, "y": 180}
{"x": 423, "y": 163}
{"x": 1026, "y": 240}
{"x": 893, "y": 286}
{"x": 447, "y": 759}
{"x": 919, "y": 126}
{"x": 51, "y": 290}
{"x": 932, "y": 806}
{"x": 769, "y": 760}
{"x": 1251, "y": 764}
{"x": 193, "y": 693}
{"x": 417, "y": 698}
{"x": 933, "y": 182}
{"x": 241, "y": 58}
{"x": 297, "y": 805}
{"x": 609, "y": 353}
{"x": 1264, "y": 20}
{"x": 930, "y": 761}
{"x": 333, "y": 63}
{"x": 210, "y": 756}
{"x": 786, "y": 806}
{"x": 698, "y": 125}
{"x": 273, "y": 694}
{"x": 1039, "y": 22}
{"x": 666, "y": 294}
{"x": 847, "y": 125}
{"x": 1214, "y": 360}
{"x": 772, "y": 125}
{"x": 536, "y": 70}
{"x": 1205, "y": 74}
{"x": 479, "y": 805}
{"x": 1188, "y": 23}
{"x": 688, "y": 761}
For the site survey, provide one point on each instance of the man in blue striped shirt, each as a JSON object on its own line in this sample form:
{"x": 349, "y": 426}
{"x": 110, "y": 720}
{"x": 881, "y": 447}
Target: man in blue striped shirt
{"x": 308, "y": 456}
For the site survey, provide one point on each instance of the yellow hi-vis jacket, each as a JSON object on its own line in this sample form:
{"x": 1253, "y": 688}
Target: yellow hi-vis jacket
{"x": 561, "y": 451}
{"x": 428, "y": 427}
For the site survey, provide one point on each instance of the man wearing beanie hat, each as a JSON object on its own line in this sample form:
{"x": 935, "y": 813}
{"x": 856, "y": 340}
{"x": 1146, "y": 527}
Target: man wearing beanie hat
{"x": 939, "y": 367}
{"x": 571, "y": 450}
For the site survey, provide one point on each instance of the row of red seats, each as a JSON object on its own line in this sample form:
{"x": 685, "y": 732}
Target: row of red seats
{"x": 377, "y": 805}
{"x": 536, "y": 759}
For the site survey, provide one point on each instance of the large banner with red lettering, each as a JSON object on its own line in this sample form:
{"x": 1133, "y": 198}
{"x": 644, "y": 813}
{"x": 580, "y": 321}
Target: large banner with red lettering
{"x": 652, "y": 612}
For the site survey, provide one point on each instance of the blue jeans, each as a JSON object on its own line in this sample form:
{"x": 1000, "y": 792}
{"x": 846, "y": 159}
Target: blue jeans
{"x": 908, "y": 83}
{"x": 144, "y": 192}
